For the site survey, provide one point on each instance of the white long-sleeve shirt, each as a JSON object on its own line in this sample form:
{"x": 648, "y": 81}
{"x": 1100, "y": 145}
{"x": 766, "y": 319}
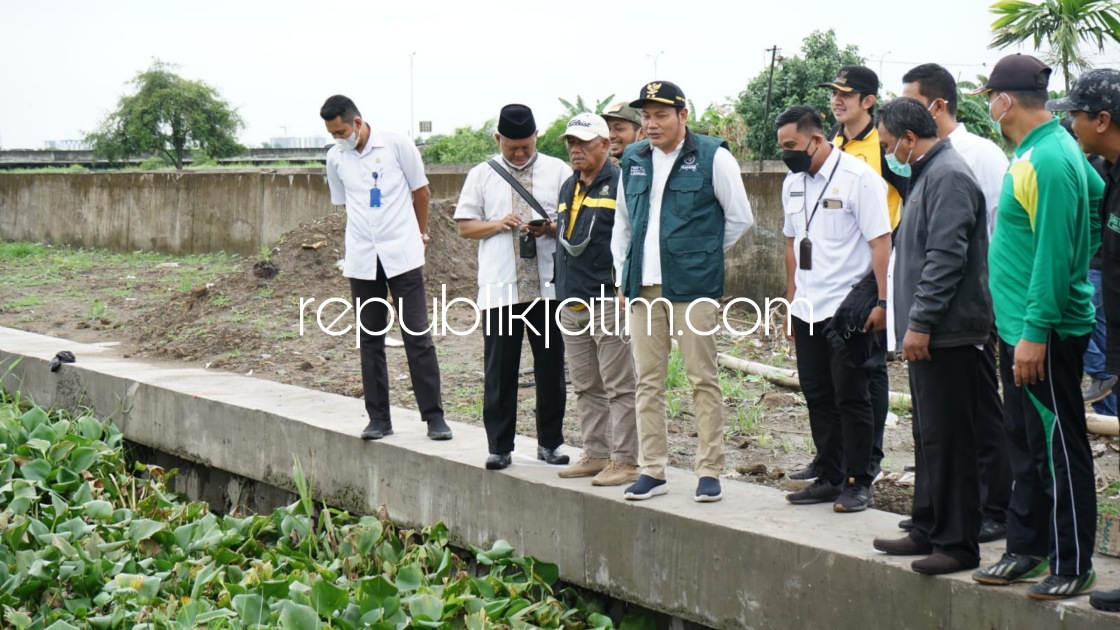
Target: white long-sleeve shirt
{"x": 727, "y": 182}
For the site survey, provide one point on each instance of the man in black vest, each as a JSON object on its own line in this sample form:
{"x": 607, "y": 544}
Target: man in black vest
{"x": 681, "y": 205}
{"x": 599, "y": 360}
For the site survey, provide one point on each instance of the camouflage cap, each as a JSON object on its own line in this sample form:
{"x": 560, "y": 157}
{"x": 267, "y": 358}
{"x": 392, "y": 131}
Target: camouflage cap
{"x": 625, "y": 112}
{"x": 1094, "y": 91}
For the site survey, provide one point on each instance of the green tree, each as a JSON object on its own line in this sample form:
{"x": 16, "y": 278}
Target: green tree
{"x": 465, "y": 146}
{"x": 1063, "y": 24}
{"x": 973, "y": 111}
{"x": 549, "y": 142}
{"x": 795, "y": 83}
{"x": 168, "y": 115}
{"x": 722, "y": 121}
{"x": 580, "y": 107}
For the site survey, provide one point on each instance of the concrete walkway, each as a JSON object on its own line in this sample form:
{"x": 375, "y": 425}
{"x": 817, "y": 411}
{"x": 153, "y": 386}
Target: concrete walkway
{"x": 749, "y": 561}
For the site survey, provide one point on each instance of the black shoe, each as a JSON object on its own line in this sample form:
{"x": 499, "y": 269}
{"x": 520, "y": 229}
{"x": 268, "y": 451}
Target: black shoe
{"x": 940, "y": 564}
{"x": 1108, "y": 601}
{"x": 498, "y": 462}
{"x": 854, "y": 498}
{"x": 1012, "y": 567}
{"x": 645, "y": 487}
{"x": 906, "y": 524}
{"x": 708, "y": 490}
{"x": 552, "y": 456}
{"x": 807, "y": 473}
{"x": 438, "y": 429}
{"x": 820, "y": 491}
{"x": 991, "y": 530}
{"x": 1063, "y": 586}
{"x": 1098, "y": 389}
{"x": 377, "y": 429}
{"x": 905, "y": 546}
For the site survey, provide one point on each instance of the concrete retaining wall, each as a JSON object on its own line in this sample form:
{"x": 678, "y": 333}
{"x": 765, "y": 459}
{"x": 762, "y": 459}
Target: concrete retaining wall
{"x": 238, "y": 211}
{"x": 751, "y": 561}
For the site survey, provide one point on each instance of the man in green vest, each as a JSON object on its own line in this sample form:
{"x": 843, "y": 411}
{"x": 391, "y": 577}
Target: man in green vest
{"x": 681, "y": 205}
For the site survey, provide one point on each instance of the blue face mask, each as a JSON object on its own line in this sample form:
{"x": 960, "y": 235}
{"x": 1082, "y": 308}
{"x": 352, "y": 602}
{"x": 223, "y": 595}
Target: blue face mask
{"x": 899, "y": 167}
{"x": 995, "y": 121}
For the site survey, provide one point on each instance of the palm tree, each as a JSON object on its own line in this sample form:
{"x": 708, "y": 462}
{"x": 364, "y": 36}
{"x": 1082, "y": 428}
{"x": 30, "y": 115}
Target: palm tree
{"x": 1064, "y": 24}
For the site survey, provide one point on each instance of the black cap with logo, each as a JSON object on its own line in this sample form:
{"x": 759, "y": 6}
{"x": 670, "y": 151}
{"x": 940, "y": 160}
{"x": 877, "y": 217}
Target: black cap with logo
{"x": 1016, "y": 73}
{"x": 662, "y": 92}
{"x": 859, "y": 79}
{"x": 516, "y": 122}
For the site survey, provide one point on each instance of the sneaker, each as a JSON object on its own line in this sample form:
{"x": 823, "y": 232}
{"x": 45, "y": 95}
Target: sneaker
{"x": 1011, "y": 568}
{"x": 438, "y": 430}
{"x": 585, "y": 467}
{"x": 1108, "y": 601}
{"x": 854, "y": 498}
{"x": 645, "y": 487}
{"x": 377, "y": 429}
{"x": 991, "y": 530}
{"x": 708, "y": 490}
{"x": 1063, "y": 586}
{"x": 616, "y": 474}
{"x": 1097, "y": 389}
{"x": 820, "y": 491}
{"x": 807, "y": 473}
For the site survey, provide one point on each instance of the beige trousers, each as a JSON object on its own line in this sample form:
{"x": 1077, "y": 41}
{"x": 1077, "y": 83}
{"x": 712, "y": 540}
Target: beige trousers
{"x": 654, "y": 321}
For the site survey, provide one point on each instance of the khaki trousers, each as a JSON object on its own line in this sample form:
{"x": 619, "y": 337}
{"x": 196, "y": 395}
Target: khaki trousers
{"x": 601, "y": 367}
{"x": 654, "y": 321}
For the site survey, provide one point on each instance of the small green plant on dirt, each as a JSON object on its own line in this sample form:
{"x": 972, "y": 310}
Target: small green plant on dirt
{"x": 20, "y": 250}
{"x": 747, "y": 419}
{"x": 677, "y": 376}
{"x": 265, "y": 293}
{"x": 288, "y": 334}
{"x": 229, "y": 356}
{"x": 731, "y": 386}
{"x": 96, "y": 309}
{"x": 221, "y": 301}
{"x": 674, "y": 405}
{"x": 186, "y": 283}
{"x": 27, "y": 300}
{"x": 265, "y": 252}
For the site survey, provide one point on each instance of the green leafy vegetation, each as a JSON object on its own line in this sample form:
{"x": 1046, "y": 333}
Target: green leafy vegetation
{"x": 87, "y": 540}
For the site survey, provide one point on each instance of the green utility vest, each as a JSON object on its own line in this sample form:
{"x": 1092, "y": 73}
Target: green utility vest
{"x": 692, "y": 221}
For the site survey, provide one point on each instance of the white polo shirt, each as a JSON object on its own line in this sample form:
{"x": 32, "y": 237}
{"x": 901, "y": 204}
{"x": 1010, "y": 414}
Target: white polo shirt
{"x": 857, "y": 214}
{"x": 488, "y": 197}
{"x": 389, "y": 232}
{"x": 987, "y": 163}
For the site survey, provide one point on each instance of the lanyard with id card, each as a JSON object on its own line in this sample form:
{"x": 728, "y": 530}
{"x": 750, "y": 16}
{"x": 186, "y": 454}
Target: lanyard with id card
{"x": 806, "y": 247}
{"x": 375, "y": 192}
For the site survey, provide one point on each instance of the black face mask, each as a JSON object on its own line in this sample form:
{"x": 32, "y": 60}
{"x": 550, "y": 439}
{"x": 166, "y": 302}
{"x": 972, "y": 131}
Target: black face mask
{"x": 799, "y": 160}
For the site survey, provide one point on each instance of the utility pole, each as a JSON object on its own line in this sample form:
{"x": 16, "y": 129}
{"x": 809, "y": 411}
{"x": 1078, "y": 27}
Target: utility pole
{"x": 411, "y": 99}
{"x": 766, "y": 110}
{"x": 655, "y": 58}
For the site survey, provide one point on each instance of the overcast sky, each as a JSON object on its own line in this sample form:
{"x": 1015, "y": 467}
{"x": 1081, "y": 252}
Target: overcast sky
{"x": 64, "y": 64}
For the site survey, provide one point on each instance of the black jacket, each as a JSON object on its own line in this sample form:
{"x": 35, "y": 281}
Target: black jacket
{"x": 590, "y": 274}
{"x": 941, "y": 254}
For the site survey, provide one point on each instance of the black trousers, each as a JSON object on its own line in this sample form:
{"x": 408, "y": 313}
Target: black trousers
{"x": 839, "y": 401}
{"x": 947, "y": 492}
{"x": 502, "y": 349}
{"x": 880, "y": 405}
{"x": 991, "y": 439}
{"x": 1053, "y": 509}
{"x": 412, "y": 315}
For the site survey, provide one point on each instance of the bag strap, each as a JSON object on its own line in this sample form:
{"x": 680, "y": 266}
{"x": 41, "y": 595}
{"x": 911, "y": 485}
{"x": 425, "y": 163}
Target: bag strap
{"x": 506, "y": 175}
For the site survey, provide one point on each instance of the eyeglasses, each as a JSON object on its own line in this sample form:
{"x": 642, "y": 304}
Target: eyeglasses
{"x": 576, "y": 250}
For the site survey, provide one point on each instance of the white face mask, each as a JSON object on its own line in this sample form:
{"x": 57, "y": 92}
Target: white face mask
{"x": 349, "y": 142}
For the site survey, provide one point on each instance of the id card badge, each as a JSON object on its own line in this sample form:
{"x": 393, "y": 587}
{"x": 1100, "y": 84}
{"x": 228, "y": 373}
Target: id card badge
{"x": 375, "y": 197}
{"x": 806, "y": 257}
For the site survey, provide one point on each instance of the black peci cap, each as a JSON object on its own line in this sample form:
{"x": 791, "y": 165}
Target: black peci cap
{"x": 516, "y": 122}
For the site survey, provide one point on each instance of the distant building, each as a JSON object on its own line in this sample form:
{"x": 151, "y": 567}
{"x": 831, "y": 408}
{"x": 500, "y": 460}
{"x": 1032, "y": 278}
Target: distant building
{"x": 294, "y": 142}
{"x": 67, "y": 145}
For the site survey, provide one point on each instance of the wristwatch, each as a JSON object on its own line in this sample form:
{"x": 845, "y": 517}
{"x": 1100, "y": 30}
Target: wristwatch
{"x": 881, "y": 304}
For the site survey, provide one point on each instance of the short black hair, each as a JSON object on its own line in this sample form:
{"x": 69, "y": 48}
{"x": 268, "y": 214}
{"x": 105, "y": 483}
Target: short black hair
{"x": 934, "y": 82}
{"x": 807, "y": 118}
{"x": 1031, "y": 99}
{"x": 339, "y": 105}
{"x": 870, "y": 110}
{"x": 906, "y": 114}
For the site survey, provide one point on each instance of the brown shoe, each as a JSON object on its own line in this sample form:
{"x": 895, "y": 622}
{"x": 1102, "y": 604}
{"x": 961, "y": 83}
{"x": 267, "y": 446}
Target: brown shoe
{"x": 940, "y": 564}
{"x": 616, "y": 474}
{"x": 585, "y": 467}
{"x": 905, "y": 546}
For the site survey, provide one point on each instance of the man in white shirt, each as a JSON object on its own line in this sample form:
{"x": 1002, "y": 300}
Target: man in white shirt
{"x": 681, "y": 205}
{"x": 515, "y": 267}
{"x": 837, "y": 230}
{"x": 379, "y": 177}
{"x": 935, "y": 87}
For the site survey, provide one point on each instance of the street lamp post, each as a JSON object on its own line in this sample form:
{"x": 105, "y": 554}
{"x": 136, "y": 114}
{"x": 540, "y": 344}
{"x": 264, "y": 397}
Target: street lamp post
{"x": 881, "y": 64}
{"x": 655, "y": 57}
